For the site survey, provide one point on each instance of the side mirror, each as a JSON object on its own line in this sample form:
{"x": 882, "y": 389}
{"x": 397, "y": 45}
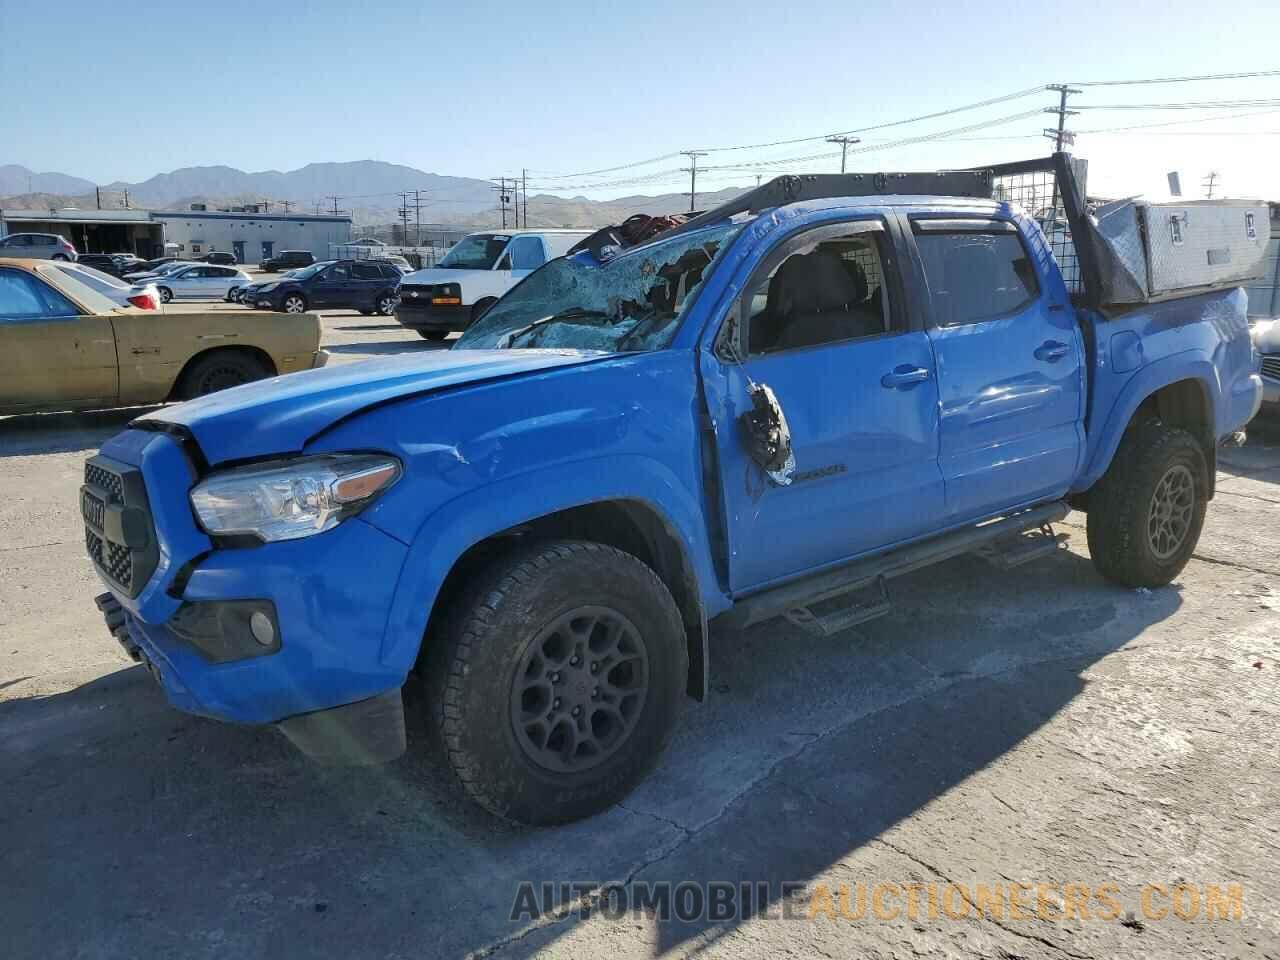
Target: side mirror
{"x": 767, "y": 436}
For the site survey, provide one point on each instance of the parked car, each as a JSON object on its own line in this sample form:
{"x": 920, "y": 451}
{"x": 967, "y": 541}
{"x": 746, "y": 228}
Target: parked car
{"x": 222, "y": 257}
{"x": 471, "y": 277}
{"x": 144, "y": 296}
{"x": 105, "y": 262}
{"x": 770, "y": 411}
{"x": 150, "y": 266}
{"x": 365, "y": 285}
{"x": 400, "y": 263}
{"x": 37, "y": 246}
{"x": 287, "y": 260}
{"x": 199, "y": 282}
{"x": 1266, "y": 341}
{"x": 161, "y": 271}
{"x": 63, "y": 346}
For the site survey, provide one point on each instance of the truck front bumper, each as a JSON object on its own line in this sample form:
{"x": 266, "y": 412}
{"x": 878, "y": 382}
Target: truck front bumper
{"x": 429, "y": 317}
{"x": 328, "y": 597}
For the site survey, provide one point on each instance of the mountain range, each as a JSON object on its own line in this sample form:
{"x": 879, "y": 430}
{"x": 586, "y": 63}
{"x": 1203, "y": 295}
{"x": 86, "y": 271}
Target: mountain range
{"x": 368, "y": 189}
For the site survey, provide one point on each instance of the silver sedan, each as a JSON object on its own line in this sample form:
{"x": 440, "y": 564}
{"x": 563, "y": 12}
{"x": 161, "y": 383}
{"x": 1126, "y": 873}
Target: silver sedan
{"x": 201, "y": 282}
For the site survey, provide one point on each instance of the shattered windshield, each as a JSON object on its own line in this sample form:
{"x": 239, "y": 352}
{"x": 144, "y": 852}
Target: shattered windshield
{"x": 479, "y": 251}
{"x": 633, "y": 302}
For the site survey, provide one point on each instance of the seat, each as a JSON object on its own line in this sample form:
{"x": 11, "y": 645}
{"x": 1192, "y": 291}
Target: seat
{"x": 819, "y": 300}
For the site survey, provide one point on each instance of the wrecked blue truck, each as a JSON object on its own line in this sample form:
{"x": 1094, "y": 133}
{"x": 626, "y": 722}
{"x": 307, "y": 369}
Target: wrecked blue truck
{"x": 770, "y": 411}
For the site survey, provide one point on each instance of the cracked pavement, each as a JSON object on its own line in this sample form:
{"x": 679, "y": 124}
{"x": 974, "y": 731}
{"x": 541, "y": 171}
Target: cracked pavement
{"x": 1031, "y": 725}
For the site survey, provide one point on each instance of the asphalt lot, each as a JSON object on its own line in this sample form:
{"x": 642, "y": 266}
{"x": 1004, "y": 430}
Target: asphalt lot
{"x": 1036, "y": 726}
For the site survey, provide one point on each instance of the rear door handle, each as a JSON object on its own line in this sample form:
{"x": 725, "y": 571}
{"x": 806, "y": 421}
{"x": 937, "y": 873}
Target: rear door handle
{"x": 904, "y": 376}
{"x": 1052, "y": 351}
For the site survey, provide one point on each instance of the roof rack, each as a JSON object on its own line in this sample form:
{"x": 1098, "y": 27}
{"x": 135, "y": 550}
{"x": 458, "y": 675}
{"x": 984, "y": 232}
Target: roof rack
{"x": 820, "y": 186}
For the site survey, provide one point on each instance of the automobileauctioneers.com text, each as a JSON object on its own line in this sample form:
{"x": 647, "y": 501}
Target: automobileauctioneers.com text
{"x": 727, "y": 902}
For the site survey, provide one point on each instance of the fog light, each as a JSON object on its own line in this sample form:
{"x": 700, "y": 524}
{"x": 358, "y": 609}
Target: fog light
{"x": 262, "y": 629}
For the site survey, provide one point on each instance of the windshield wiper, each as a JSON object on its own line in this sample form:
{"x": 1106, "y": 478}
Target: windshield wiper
{"x": 577, "y": 313}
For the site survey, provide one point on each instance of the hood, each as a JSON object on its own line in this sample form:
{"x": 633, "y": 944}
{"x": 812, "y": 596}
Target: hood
{"x": 281, "y": 414}
{"x": 439, "y": 275}
{"x": 1266, "y": 336}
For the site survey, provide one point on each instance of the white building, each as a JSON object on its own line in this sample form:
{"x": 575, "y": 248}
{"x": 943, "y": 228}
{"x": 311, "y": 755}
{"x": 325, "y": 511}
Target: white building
{"x": 252, "y": 236}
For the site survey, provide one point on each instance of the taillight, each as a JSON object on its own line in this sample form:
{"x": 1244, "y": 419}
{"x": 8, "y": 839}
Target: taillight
{"x": 144, "y": 301}
{"x": 66, "y": 246}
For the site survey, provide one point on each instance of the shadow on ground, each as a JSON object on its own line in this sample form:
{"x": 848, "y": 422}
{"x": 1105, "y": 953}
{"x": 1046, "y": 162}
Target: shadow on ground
{"x": 138, "y": 831}
{"x": 44, "y": 433}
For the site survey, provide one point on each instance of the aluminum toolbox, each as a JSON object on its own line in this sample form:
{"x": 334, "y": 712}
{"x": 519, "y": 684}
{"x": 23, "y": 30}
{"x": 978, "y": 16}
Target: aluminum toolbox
{"x": 1151, "y": 251}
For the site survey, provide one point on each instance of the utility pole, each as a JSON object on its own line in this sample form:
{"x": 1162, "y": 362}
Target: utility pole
{"x": 692, "y": 170}
{"x": 503, "y": 197}
{"x": 126, "y": 199}
{"x": 1210, "y": 179}
{"x": 417, "y": 218}
{"x": 1061, "y": 136}
{"x": 286, "y": 204}
{"x": 524, "y": 189}
{"x": 844, "y": 147}
{"x": 335, "y": 203}
{"x": 97, "y": 191}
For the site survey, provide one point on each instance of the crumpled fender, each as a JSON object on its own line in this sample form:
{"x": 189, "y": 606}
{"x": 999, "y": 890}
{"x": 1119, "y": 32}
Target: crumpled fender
{"x": 456, "y": 526}
{"x": 1186, "y": 365}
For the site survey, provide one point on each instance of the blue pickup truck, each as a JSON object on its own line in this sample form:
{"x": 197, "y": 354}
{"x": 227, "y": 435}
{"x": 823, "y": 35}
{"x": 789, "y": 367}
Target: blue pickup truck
{"x": 771, "y": 411}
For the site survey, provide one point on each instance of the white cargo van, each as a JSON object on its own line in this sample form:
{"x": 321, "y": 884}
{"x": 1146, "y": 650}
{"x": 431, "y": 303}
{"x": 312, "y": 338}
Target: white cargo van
{"x": 476, "y": 271}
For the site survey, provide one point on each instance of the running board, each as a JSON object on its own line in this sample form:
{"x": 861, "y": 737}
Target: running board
{"x": 796, "y": 599}
{"x": 1014, "y": 551}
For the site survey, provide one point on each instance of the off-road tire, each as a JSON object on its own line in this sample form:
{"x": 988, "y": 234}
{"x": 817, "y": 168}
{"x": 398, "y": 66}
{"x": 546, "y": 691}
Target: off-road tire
{"x": 219, "y": 370}
{"x": 1120, "y": 505}
{"x": 475, "y": 658}
{"x": 436, "y": 335}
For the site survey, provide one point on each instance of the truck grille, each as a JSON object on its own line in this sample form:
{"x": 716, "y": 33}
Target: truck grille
{"x": 119, "y": 535}
{"x": 1271, "y": 367}
{"x": 416, "y": 293}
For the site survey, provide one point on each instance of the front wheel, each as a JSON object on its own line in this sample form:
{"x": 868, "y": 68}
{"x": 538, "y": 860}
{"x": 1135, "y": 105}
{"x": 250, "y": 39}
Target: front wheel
{"x": 166, "y": 295}
{"x": 436, "y": 335}
{"x": 1146, "y": 513}
{"x": 294, "y": 303}
{"x": 556, "y": 682}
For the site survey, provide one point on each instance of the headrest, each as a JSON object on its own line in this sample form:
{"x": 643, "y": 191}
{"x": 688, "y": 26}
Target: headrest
{"x": 816, "y": 281}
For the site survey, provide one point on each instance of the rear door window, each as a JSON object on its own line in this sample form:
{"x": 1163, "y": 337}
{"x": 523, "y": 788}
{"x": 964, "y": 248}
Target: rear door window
{"x": 366, "y": 271}
{"x": 976, "y": 276}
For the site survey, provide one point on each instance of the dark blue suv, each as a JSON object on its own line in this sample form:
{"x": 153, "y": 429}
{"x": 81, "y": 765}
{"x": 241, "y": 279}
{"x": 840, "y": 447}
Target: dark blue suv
{"x": 369, "y": 286}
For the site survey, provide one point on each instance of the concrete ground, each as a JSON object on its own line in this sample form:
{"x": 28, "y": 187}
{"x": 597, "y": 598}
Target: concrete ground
{"x": 1033, "y": 726}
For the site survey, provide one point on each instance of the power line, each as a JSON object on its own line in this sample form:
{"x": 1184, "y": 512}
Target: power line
{"x": 1195, "y": 105}
{"x": 1203, "y": 76}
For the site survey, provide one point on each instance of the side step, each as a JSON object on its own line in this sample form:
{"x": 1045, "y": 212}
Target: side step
{"x": 1014, "y": 551}
{"x": 796, "y": 600}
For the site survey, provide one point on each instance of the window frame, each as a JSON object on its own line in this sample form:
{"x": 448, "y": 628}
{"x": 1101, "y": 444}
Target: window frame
{"x": 734, "y": 327}
{"x": 943, "y": 224}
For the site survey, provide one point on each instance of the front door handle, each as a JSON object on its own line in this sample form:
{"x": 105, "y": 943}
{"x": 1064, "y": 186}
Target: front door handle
{"x": 904, "y": 376}
{"x": 1052, "y": 351}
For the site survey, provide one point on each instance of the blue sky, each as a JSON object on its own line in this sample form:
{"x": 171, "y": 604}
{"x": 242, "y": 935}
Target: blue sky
{"x": 481, "y": 89}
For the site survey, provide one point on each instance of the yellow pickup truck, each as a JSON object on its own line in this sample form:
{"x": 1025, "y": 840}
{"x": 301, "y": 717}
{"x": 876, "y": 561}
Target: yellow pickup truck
{"x": 64, "y": 346}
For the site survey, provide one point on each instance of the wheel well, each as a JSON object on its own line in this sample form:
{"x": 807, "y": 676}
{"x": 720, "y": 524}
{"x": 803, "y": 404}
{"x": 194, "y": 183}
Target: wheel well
{"x": 1184, "y": 404}
{"x": 628, "y": 525}
{"x": 256, "y": 352}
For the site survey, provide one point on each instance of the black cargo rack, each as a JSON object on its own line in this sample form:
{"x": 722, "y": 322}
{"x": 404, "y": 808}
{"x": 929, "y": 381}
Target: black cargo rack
{"x": 1048, "y": 188}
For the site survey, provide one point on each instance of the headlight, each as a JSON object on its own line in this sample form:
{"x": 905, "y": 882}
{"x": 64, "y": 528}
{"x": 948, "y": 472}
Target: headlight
{"x": 288, "y": 499}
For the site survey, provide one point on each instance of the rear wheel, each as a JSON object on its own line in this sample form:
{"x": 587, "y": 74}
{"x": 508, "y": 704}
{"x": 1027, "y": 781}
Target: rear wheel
{"x": 220, "y": 370}
{"x": 436, "y": 335}
{"x": 166, "y": 295}
{"x": 294, "y": 303}
{"x": 386, "y": 304}
{"x": 1146, "y": 513}
{"x": 555, "y": 684}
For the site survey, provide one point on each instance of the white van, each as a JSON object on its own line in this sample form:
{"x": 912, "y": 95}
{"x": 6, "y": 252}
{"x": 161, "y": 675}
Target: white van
{"x": 476, "y": 271}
